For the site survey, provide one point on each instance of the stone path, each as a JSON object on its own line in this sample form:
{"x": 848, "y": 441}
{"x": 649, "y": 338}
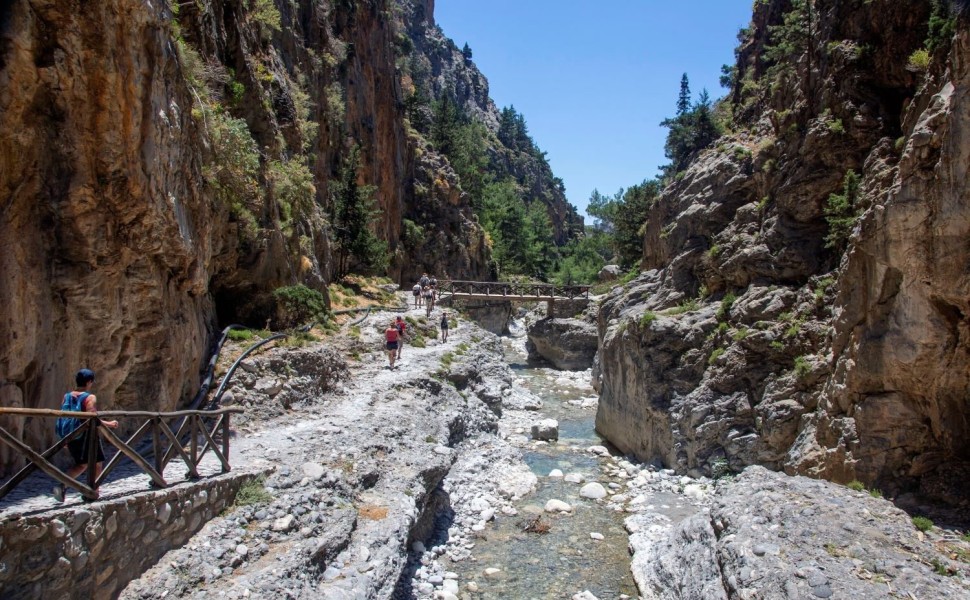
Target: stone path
{"x": 355, "y": 469}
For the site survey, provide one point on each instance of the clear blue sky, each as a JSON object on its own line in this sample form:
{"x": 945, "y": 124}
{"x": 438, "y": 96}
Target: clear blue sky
{"x": 595, "y": 79}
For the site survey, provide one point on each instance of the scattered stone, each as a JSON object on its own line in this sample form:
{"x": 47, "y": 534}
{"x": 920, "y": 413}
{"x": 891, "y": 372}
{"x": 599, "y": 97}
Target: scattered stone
{"x": 596, "y": 536}
{"x": 574, "y": 478}
{"x": 593, "y": 491}
{"x": 546, "y": 429}
{"x": 554, "y": 505}
{"x": 555, "y": 473}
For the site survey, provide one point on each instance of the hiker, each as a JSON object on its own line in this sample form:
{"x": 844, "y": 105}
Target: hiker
{"x": 84, "y": 383}
{"x": 424, "y": 281}
{"x": 428, "y": 301}
{"x": 416, "y": 290}
{"x": 401, "y": 328}
{"x": 434, "y": 295}
{"x": 444, "y": 326}
{"x": 392, "y": 337}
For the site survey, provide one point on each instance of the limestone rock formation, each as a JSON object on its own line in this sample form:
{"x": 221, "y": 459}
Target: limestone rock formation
{"x": 768, "y": 535}
{"x": 569, "y": 344}
{"x": 165, "y": 166}
{"x": 751, "y": 337}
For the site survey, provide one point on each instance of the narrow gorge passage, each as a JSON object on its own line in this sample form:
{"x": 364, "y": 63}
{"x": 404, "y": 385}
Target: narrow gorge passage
{"x": 492, "y": 546}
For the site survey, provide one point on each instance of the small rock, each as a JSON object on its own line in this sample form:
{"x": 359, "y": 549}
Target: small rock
{"x": 574, "y": 478}
{"x": 284, "y": 524}
{"x": 593, "y": 491}
{"x": 596, "y": 536}
{"x": 313, "y": 471}
{"x": 554, "y": 505}
{"x": 492, "y": 572}
{"x": 547, "y": 429}
{"x": 555, "y": 473}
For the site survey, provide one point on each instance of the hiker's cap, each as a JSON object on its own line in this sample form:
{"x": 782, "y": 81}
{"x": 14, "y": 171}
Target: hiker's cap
{"x": 83, "y": 377}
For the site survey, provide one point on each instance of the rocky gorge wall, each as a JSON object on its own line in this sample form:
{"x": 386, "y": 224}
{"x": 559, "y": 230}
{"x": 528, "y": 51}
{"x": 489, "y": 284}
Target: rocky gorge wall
{"x": 165, "y": 166}
{"x": 749, "y": 339}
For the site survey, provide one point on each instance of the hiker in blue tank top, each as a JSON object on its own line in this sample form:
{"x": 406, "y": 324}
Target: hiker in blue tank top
{"x": 84, "y": 381}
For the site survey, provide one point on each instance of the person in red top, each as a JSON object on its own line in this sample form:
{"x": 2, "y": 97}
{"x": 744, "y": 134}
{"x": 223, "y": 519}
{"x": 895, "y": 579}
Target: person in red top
{"x": 401, "y": 329}
{"x": 392, "y": 338}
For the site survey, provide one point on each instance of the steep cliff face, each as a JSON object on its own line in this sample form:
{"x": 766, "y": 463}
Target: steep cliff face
{"x": 756, "y": 335}
{"x": 106, "y": 233}
{"x": 435, "y": 66}
{"x": 165, "y": 166}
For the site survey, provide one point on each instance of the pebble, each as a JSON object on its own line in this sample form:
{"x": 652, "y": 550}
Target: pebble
{"x": 574, "y": 478}
{"x": 555, "y": 473}
{"x": 596, "y": 536}
{"x": 492, "y": 572}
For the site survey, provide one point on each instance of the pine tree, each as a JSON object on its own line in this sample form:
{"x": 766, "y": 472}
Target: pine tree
{"x": 683, "y": 100}
{"x": 841, "y": 212}
{"x": 352, "y": 211}
{"x": 466, "y": 51}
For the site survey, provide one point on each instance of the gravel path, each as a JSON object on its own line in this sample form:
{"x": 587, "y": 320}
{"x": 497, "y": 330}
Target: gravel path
{"x": 356, "y": 469}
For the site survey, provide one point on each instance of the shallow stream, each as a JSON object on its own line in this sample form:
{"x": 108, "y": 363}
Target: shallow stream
{"x": 565, "y": 560}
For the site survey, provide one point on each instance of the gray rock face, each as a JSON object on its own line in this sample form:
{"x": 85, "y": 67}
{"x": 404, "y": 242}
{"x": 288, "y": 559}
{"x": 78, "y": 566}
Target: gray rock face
{"x": 769, "y": 535}
{"x": 569, "y": 344}
{"x": 751, "y": 340}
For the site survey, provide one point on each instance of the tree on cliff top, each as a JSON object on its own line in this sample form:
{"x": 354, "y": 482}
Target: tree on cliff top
{"x": 352, "y": 210}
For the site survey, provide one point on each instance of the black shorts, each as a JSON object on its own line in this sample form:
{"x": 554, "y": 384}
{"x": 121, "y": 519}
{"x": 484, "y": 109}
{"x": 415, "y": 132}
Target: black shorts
{"x": 391, "y": 346}
{"x": 79, "y": 450}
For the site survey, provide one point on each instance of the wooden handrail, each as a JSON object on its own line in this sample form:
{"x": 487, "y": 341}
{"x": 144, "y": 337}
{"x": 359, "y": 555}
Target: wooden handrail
{"x": 93, "y": 430}
{"x": 44, "y": 412}
{"x": 539, "y": 291}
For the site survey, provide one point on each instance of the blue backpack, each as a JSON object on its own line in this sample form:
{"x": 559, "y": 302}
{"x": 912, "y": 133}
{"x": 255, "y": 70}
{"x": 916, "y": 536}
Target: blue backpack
{"x": 66, "y": 425}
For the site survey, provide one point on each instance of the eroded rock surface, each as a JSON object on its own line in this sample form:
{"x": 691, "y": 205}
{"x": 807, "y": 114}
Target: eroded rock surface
{"x": 768, "y": 535}
{"x": 755, "y": 337}
{"x": 569, "y": 344}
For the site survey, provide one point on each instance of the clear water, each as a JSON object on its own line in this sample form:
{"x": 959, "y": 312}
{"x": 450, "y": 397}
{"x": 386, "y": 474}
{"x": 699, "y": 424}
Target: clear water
{"x": 565, "y": 560}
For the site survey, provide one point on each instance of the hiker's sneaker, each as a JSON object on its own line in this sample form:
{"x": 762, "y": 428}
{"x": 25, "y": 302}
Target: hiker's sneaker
{"x": 58, "y": 492}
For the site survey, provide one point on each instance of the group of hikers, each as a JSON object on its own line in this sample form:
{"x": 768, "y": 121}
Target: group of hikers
{"x": 425, "y": 293}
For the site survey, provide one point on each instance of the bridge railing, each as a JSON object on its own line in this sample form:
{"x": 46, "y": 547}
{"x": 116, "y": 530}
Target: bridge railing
{"x": 540, "y": 291}
{"x": 199, "y": 426}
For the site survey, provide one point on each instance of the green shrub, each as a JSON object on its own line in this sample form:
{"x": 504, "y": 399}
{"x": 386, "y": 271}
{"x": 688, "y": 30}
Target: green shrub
{"x": 253, "y": 492}
{"x": 727, "y": 302}
{"x": 418, "y": 341}
{"x": 298, "y": 305}
{"x": 855, "y": 485}
{"x": 823, "y": 286}
{"x": 241, "y": 335}
{"x": 740, "y": 334}
{"x": 647, "y": 318}
{"x": 715, "y": 355}
{"x": 714, "y": 251}
{"x": 922, "y": 523}
{"x": 875, "y": 493}
{"x": 802, "y": 367}
{"x": 777, "y": 345}
{"x": 267, "y": 15}
{"x": 919, "y": 60}
{"x": 722, "y": 327}
{"x": 900, "y": 143}
{"x": 836, "y": 126}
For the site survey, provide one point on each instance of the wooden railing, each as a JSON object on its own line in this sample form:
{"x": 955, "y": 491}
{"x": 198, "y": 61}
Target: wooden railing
{"x": 500, "y": 289}
{"x": 166, "y": 445}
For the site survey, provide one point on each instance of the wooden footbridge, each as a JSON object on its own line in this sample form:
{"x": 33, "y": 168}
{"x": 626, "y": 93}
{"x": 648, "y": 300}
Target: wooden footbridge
{"x": 512, "y": 292}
